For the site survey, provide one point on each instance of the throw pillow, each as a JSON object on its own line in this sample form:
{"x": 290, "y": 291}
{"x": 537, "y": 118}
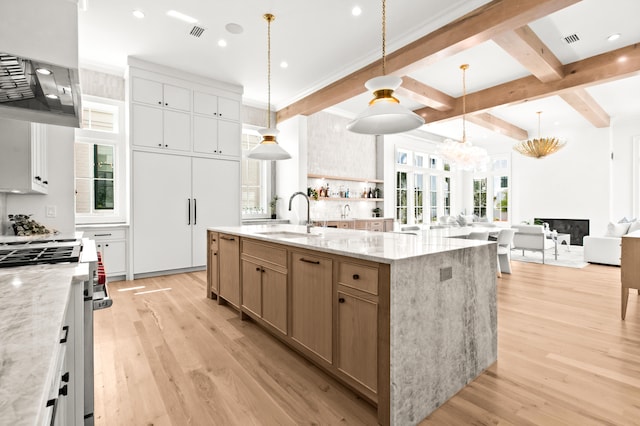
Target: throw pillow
{"x": 616, "y": 229}
{"x": 635, "y": 226}
{"x": 626, "y": 220}
{"x": 462, "y": 220}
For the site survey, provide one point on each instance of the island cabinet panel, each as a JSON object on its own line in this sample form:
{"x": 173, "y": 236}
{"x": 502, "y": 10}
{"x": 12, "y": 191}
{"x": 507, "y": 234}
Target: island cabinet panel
{"x": 311, "y": 302}
{"x": 229, "y": 268}
{"x": 212, "y": 265}
{"x": 358, "y": 339}
{"x": 264, "y": 282}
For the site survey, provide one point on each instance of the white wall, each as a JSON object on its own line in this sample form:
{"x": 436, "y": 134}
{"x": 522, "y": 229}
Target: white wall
{"x": 570, "y": 184}
{"x": 291, "y": 174}
{"x": 61, "y": 185}
{"x": 623, "y": 133}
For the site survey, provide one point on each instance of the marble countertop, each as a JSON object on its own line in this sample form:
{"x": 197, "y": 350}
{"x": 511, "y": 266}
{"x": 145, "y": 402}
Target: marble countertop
{"x": 64, "y": 235}
{"x": 33, "y": 300}
{"x": 384, "y": 247}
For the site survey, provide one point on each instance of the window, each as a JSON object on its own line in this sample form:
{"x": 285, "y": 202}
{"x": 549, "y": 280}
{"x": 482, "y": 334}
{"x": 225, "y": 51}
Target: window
{"x": 401, "y": 198}
{"x": 414, "y": 200}
{"x": 99, "y": 165}
{"x": 255, "y": 178}
{"x": 480, "y": 197}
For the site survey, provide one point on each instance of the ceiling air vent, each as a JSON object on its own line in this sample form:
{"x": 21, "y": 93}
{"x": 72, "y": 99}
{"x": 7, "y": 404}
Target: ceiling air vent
{"x": 572, "y": 38}
{"x": 196, "y": 31}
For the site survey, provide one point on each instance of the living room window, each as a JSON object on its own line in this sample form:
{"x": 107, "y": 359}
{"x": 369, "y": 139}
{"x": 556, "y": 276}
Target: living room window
{"x": 418, "y": 192}
{"x": 255, "y": 178}
{"x": 480, "y": 197}
{"x": 402, "y": 205}
{"x": 501, "y": 198}
{"x": 99, "y": 162}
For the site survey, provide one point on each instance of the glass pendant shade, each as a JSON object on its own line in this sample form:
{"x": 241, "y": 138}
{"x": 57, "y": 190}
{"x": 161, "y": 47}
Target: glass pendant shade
{"x": 463, "y": 154}
{"x": 268, "y": 148}
{"x": 385, "y": 115}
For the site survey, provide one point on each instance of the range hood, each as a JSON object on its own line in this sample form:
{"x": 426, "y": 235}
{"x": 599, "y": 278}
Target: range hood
{"x": 39, "y": 79}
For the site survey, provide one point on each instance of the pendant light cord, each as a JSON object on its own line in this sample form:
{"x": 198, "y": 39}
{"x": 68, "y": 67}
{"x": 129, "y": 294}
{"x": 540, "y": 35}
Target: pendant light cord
{"x": 539, "y": 112}
{"x": 464, "y": 67}
{"x": 384, "y": 37}
{"x": 269, "y": 18}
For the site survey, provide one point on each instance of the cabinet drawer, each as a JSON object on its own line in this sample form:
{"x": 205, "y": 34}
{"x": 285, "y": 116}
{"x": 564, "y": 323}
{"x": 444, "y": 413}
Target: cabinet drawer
{"x": 376, "y": 226}
{"x": 106, "y": 234}
{"x": 360, "y": 277}
{"x": 265, "y": 251}
{"x": 213, "y": 240}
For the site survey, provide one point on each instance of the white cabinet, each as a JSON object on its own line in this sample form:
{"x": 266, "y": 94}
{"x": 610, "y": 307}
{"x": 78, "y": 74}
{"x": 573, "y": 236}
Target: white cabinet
{"x": 23, "y": 157}
{"x": 112, "y": 243}
{"x": 160, "y": 94}
{"x": 175, "y": 199}
{"x": 216, "y": 125}
{"x": 213, "y": 136}
{"x": 158, "y": 128}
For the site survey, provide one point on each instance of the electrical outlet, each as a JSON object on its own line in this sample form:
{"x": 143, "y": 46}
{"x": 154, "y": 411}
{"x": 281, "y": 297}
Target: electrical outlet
{"x": 446, "y": 273}
{"x": 50, "y": 211}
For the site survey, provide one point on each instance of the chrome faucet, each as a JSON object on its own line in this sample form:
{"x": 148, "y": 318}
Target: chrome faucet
{"x": 344, "y": 211}
{"x": 308, "y": 205}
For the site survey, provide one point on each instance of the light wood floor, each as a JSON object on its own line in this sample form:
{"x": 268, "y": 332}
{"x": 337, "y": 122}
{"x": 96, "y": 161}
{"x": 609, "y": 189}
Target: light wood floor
{"x": 176, "y": 358}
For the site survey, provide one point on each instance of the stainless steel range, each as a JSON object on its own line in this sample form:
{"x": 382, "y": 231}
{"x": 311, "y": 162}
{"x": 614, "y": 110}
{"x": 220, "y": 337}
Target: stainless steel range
{"x": 34, "y": 252}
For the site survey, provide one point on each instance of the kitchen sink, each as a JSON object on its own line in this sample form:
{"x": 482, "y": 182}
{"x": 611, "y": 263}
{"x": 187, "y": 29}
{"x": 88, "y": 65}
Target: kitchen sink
{"x": 286, "y": 234}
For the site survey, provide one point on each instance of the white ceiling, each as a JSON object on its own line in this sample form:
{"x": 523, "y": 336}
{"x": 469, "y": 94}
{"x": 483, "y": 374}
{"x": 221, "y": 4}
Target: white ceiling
{"x": 322, "y": 42}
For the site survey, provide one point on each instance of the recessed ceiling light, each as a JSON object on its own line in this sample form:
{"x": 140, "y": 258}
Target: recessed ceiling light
{"x": 356, "y": 11}
{"x": 234, "y": 28}
{"x": 284, "y": 64}
{"x": 43, "y": 71}
{"x": 182, "y": 16}
{"x": 613, "y": 37}
{"x": 222, "y": 42}
{"x": 622, "y": 59}
{"x": 138, "y": 14}
{"x": 51, "y": 96}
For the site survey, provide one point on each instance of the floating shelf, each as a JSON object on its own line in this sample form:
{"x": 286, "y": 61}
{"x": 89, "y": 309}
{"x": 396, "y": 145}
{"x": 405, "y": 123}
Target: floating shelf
{"x": 352, "y": 179}
{"x": 346, "y": 199}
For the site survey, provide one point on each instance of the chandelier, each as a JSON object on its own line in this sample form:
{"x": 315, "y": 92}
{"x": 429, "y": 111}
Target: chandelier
{"x": 463, "y": 154}
{"x": 540, "y": 147}
{"x": 384, "y": 114}
{"x": 268, "y": 148}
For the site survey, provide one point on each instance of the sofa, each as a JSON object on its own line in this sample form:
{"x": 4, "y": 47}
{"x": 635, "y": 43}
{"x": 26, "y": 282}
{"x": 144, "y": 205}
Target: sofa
{"x": 606, "y": 249}
{"x": 531, "y": 237}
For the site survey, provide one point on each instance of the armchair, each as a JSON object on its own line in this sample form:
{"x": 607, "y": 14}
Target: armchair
{"x": 531, "y": 237}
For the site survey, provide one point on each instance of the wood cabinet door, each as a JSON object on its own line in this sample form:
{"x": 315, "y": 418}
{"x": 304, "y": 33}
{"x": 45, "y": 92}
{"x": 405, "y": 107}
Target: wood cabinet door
{"x": 177, "y": 97}
{"x": 205, "y": 134}
{"x": 229, "y": 138}
{"x": 177, "y": 130}
{"x": 311, "y": 307}
{"x": 229, "y": 271}
{"x": 252, "y": 287}
{"x": 274, "y": 299}
{"x": 216, "y": 200}
{"x": 160, "y": 210}
{"x": 146, "y": 126}
{"x": 212, "y": 265}
{"x": 358, "y": 339}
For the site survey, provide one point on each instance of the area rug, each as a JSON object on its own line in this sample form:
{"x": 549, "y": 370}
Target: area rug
{"x": 571, "y": 258}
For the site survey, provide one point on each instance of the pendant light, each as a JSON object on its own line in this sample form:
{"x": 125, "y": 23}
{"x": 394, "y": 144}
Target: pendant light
{"x": 268, "y": 148}
{"x": 463, "y": 154}
{"x": 540, "y": 147}
{"x": 384, "y": 115}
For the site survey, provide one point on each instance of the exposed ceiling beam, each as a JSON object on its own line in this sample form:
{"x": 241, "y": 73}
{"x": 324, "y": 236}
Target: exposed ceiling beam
{"x": 498, "y": 125}
{"x": 588, "y": 72}
{"x": 425, "y": 95}
{"x": 470, "y": 30}
{"x": 582, "y": 102}
{"x": 527, "y": 48}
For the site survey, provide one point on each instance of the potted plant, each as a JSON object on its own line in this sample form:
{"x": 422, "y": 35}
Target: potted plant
{"x": 272, "y": 204}
{"x": 376, "y": 212}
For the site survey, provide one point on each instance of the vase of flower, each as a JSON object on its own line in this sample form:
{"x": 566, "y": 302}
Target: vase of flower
{"x": 272, "y": 205}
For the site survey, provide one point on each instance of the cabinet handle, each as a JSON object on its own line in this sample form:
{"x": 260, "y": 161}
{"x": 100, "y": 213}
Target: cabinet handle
{"x": 315, "y": 262}
{"x": 341, "y": 300}
{"x": 160, "y": 145}
{"x": 166, "y": 104}
{"x": 65, "y": 377}
{"x": 159, "y": 102}
{"x": 189, "y": 211}
{"x": 63, "y": 391}
{"x": 106, "y": 245}
{"x": 195, "y": 212}
{"x": 101, "y": 235}
{"x": 46, "y": 182}
{"x": 215, "y": 253}
{"x": 228, "y": 238}
{"x": 38, "y": 178}
{"x": 258, "y": 268}
{"x": 66, "y": 334}
{"x": 356, "y": 276}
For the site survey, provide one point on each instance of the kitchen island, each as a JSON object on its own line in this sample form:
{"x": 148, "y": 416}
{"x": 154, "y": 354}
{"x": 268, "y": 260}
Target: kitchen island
{"x": 405, "y": 320}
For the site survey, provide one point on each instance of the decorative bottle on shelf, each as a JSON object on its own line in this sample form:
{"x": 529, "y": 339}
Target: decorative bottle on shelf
{"x": 370, "y": 194}
{"x": 376, "y": 193}
{"x": 364, "y": 193}
{"x": 346, "y": 193}
{"x": 326, "y": 191}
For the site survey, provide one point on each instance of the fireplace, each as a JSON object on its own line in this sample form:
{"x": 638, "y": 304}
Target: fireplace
{"x": 577, "y": 228}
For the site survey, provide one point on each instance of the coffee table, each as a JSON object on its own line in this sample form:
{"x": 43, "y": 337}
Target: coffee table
{"x": 558, "y": 239}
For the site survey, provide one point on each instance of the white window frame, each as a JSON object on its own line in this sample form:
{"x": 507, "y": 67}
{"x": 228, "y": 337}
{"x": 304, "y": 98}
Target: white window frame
{"x": 118, "y": 141}
{"x": 265, "y": 178}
